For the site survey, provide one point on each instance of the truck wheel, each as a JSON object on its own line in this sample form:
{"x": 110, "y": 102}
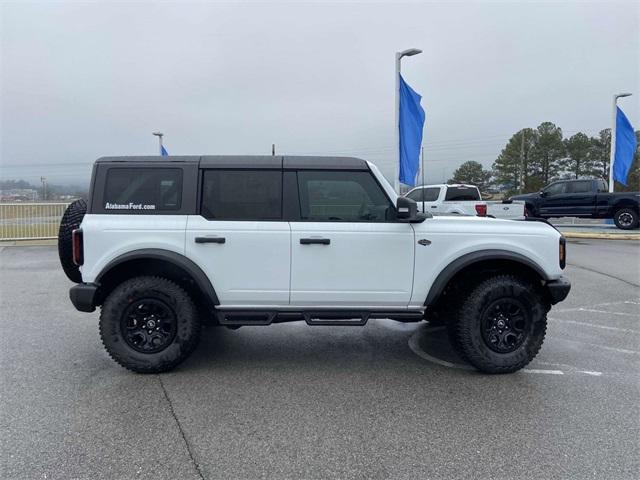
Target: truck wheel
{"x": 71, "y": 220}
{"x": 500, "y": 325}
{"x": 149, "y": 324}
{"x": 626, "y": 219}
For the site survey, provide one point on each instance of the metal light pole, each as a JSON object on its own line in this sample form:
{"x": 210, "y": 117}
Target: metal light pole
{"x": 159, "y": 135}
{"x": 405, "y": 53}
{"x": 612, "y": 153}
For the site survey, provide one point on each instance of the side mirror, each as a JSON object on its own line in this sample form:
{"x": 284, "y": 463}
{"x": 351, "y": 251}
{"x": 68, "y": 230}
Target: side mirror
{"x": 543, "y": 193}
{"x": 407, "y": 211}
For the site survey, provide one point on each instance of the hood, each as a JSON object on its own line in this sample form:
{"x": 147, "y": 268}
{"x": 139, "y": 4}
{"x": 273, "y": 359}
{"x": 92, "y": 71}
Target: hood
{"x": 469, "y": 225}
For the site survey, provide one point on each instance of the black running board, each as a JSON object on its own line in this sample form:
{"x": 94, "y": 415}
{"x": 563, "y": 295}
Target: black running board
{"x": 312, "y": 317}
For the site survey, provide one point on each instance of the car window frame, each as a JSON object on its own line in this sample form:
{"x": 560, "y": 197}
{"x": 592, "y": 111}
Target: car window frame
{"x": 292, "y": 194}
{"x": 588, "y": 182}
{"x": 201, "y": 193}
{"x": 188, "y": 197}
{"x": 546, "y": 189}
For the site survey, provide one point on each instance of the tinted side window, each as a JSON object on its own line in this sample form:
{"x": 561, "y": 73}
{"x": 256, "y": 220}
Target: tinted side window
{"x": 556, "y": 188}
{"x": 242, "y": 195}
{"x": 425, "y": 194}
{"x": 153, "y": 189}
{"x": 580, "y": 187}
{"x": 461, "y": 194}
{"x": 416, "y": 195}
{"x": 431, "y": 194}
{"x": 345, "y": 196}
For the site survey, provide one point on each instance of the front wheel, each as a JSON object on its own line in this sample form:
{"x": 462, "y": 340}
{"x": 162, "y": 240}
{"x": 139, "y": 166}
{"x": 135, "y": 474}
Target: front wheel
{"x": 500, "y": 325}
{"x": 149, "y": 324}
{"x": 626, "y": 219}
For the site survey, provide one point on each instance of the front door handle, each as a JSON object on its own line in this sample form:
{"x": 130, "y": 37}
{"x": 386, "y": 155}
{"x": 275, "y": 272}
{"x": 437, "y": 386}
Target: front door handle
{"x": 210, "y": 240}
{"x": 434, "y": 206}
{"x": 315, "y": 241}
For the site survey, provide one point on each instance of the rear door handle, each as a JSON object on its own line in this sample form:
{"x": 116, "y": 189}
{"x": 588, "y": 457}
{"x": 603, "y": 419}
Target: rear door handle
{"x": 315, "y": 241}
{"x": 210, "y": 240}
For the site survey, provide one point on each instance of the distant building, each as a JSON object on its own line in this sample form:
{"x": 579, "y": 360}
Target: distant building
{"x": 19, "y": 195}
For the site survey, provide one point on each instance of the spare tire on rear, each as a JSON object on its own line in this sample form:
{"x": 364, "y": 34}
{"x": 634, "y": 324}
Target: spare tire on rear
{"x": 71, "y": 220}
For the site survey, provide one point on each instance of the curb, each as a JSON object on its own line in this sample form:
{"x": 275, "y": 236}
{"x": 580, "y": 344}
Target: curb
{"x": 27, "y": 243}
{"x": 601, "y": 236}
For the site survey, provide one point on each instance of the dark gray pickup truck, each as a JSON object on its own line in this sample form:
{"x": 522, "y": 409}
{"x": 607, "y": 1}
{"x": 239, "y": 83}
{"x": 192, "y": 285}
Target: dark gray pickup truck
{"x": 583, "y": 198}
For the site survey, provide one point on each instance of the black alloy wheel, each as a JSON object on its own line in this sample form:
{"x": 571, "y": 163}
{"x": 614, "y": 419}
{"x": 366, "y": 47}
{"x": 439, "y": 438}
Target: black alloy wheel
{"x": 505, "y": 325}
{"x": 148, "y": 325}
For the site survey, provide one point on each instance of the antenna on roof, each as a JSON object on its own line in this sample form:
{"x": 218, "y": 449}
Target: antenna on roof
{"x": 273, "y": 149}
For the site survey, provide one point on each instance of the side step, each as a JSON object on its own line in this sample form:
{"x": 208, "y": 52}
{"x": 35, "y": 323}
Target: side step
{"x": 327, "y": 317}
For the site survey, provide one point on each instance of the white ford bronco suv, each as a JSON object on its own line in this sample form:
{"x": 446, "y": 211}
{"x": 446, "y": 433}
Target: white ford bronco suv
{"x": 165, "y": 244}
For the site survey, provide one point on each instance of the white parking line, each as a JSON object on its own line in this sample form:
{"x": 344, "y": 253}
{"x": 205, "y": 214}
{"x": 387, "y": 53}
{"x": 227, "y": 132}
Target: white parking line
{"x": 415, "y": 348}
{"x": 546, "y": 372}
{"x": 607, "y": 312}
{"x": 614, "y": 349}
{"x": 604, "y": 327}
{"x": 605, "y": 304}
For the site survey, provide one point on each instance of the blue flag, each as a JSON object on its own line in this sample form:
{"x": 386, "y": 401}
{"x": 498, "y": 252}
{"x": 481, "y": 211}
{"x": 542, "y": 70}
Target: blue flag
{"x": 410, "y": 125}
{"x": 163, "y": 151}
{"x": 626, "y": 144}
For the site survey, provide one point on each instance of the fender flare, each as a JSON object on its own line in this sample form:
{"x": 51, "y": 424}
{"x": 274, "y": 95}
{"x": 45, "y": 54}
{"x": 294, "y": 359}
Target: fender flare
{"x": 180, "y": 261}
{"x": 464, "y": 261}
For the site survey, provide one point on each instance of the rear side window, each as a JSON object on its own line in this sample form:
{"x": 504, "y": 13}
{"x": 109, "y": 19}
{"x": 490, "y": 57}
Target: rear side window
{"x": 138, "y": 189}
{"x": 242, "y": 195}
{"x": 580, "y": 187}
{"x": 461, "y": 194}
{"x": 329, "y": 196}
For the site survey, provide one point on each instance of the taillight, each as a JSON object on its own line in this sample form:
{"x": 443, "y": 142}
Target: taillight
{"x": 77, "y": 244}
{"x": 481, "y": 209}
{"x": 563, "y": 252}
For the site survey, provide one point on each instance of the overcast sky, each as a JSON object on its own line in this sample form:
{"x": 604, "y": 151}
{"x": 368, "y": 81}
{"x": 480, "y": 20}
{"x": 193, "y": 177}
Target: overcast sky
{"x": 82, "y": 80}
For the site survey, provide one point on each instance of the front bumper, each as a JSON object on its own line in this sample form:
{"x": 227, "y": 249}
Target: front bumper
{"x": 558, "y": 289}
{"x": 83, "y": 296}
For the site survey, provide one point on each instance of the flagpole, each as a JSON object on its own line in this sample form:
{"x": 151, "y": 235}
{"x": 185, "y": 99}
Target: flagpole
{"x": 422, "y": 171}
{"x": 159, "y": 135}
{"x": 405, "y": 53}
{"x": 612, "y": 153}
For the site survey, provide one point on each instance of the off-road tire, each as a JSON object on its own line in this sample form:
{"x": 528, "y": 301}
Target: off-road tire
{"x": 71, "y": 220}
{"x": 466, "y": 329}
{"x": 187, "y": 332}
{"x": 626, "y": 219}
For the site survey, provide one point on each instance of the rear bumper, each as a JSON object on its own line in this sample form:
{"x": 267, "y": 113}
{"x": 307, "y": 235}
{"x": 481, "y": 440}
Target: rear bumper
{"x": 558, "y": 289}
{"x": 83, "y": 296}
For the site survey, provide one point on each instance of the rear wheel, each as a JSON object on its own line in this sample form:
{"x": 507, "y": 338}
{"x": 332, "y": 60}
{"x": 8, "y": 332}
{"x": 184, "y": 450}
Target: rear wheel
{"x": 149, "y": 324}
{"x": 626, "y": 219}
{"x": 500, "y": 325}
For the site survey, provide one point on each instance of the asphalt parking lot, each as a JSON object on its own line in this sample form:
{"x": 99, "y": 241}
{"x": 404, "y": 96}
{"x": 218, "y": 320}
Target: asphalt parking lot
{"x": 290, "y": 401}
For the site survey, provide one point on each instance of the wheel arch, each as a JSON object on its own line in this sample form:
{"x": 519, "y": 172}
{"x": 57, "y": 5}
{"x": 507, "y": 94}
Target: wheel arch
{"x": 626, "y": 203}
{"x": 163, "y": 263}
{"x": 500, "y": 260}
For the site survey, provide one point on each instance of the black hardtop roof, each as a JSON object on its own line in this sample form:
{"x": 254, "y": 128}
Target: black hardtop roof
{"x": 249, "y": 161}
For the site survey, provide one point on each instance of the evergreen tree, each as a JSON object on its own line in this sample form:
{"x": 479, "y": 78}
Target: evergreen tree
{"x": 516, "y": 159}
{"x": 547, "y": 153}
{"x": 600, "y": 153}
{"x": 579, "y": 161}
{"x": 473, "y": 173}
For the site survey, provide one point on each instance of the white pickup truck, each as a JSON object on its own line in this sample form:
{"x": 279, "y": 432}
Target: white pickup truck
{"x": 460, "y": 199}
